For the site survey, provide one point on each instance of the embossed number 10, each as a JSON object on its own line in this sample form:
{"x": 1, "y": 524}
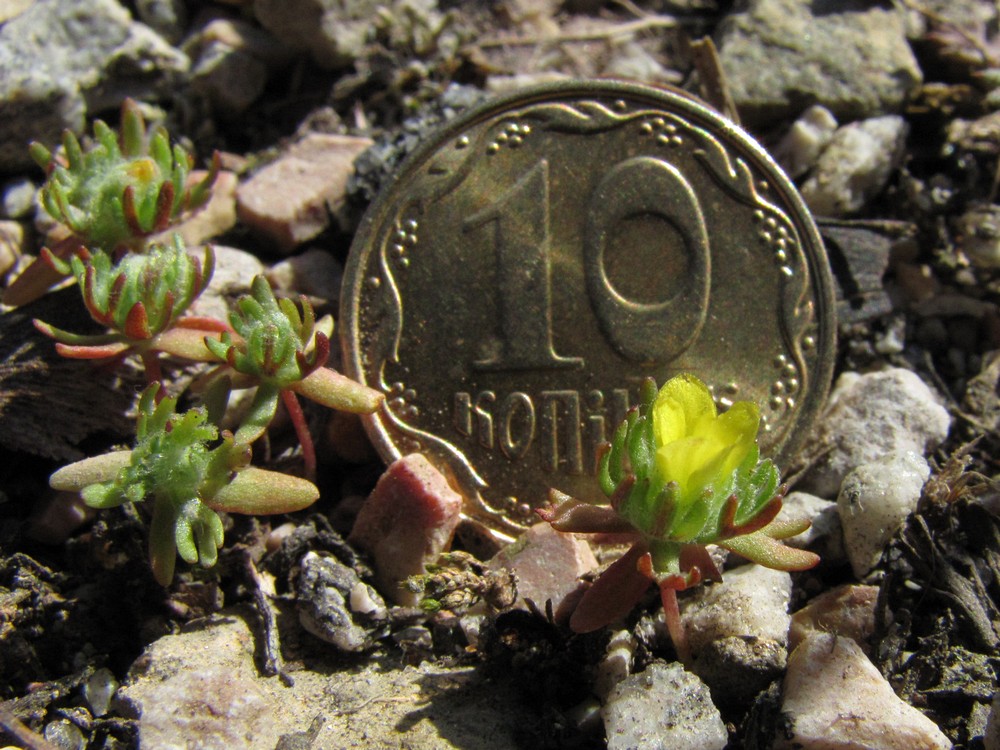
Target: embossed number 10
{"x": 638, "y": 331}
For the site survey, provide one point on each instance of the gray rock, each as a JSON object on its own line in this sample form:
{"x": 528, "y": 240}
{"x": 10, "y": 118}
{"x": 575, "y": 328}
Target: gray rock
{"x": 335, "y": 32}
{"x": 336, "y": 606}
{"x": 875, "y": 500}
{"x": 168, "y": 18}
{"x": 869, "y": 416}
{"x": 851, "y": 56}
{"x": 229, "y": 79}
{"x": 663, "y": 707}
{"x": 737, "y": 631}
{"x": 94, "y": 56}
{"x": 855, "y": 166}
{"x": 202, "y": 683}
{"x": 833, "y": 696}
{"x": 824, "y": 534}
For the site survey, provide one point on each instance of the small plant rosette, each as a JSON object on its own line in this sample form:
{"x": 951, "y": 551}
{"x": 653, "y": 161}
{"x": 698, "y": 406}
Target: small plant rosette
{"x": 192, "y": 473}
{"x": 679, "y": 476}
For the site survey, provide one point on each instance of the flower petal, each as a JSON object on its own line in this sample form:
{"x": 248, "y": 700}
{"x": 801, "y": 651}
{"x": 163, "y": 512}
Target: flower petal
{"x": 683, "y": 407}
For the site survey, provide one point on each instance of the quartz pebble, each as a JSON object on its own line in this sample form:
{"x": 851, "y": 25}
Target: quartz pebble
{"x": 874, "y": 501}
{"x": 663, "y": 707}
{"x": 824, "y": 534}
{"x": 234, "y": 270}
{"x": 855, "y": 166}
{"x": 737, "y": 631}
{"x": 291, "y": 199}
{"x": 406, "y": 523}
{"x": 847, "y": 611}
{"x": 547, "y": 563}
{"x": 834, "y": 697}
{"x": 801, "y": 146}
{"x": 868, "y": 416}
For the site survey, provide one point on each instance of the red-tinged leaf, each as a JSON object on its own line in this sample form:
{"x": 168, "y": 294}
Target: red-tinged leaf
{"x": 576, "y": 516}
{"x": 105, "y": 351}
{"x": 186, "y": 343}
{"x": 767, "y": 551}
{"x": 164, "y": 207}
{"x": 622, "y": 491}
{"x": 330, "y": 388}
{"x": 758, "y": 522}
{"x": 31, "y": 284}
{"x": 201, "y": 323}
{"x": 614, "y": 594}
{"x": 697, "y": 557}
{"x": 128, "y": 209}
{"x": 137, "y": 323}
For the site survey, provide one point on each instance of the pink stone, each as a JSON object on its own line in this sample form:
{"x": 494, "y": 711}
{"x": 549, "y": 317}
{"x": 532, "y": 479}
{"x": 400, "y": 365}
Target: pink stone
{"x": 406, "y": 522}
{"x": 291, "y": 199}
{"x": 547, "y": 563}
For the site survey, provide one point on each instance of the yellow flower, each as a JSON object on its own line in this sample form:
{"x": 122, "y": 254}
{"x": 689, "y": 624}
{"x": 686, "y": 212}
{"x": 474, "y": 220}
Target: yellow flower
{"x": 696, "y": 447}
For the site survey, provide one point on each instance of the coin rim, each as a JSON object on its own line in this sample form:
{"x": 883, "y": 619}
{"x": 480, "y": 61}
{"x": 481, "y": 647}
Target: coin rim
{"x": 672, "y": 98}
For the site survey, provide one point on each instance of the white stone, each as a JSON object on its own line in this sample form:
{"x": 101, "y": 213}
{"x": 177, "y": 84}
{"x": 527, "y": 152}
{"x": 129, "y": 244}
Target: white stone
{"x": 868, "y": 416}
{"x": 833, "y": 697}
{"x": 855, "y": 166}
{"x": 234, "y": 270}
{"x": 663, "y": 707}
{"x": 737, "y": 631}
{"x": 805, "y": 140}
{"x": 616, "y": 664}
{"x": 875, "y": 500}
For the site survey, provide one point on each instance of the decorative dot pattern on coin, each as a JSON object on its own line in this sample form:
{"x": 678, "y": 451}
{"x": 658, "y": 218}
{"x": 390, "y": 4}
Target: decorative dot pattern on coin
{"x": 540, "y": 256}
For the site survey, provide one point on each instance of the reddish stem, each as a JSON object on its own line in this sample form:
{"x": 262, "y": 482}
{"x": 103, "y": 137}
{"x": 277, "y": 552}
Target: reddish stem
{"x": 154, "y": 373}
{"x": 672, "y": 617}
{"x": 298, "y": 418}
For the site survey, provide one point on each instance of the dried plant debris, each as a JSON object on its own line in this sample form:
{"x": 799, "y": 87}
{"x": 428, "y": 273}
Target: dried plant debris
{"x": 937, "y": 620}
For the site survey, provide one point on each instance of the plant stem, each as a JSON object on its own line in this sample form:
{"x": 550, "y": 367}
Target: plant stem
{"x": 298, "y": 418}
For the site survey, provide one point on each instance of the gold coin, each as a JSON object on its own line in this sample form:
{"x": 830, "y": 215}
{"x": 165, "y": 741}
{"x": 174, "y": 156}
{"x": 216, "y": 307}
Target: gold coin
{"x": 541, "y": 255}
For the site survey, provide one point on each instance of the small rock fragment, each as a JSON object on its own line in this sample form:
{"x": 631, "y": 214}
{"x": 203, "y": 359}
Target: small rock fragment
{"x": 315, "y": 272}
{"x": 855, "y": 166}
{"x": 99, "y": 689}
{"x": 13, "y": 243}
{"x": 547, "y": 563}
{"x": 991, "y": 738}
{"x": 868, "y": 416}
{"x": 805, "y": 140}
{"x": 737, "y": 631}
{"x": 835, "y": 697}
{"x": 335, "y": 605}
{"x": 406, "y": 522}
{"x": 291, "y": 199}
{"x": 18, "y": 198}
{"x": 847, "y": 611}
{"x": 978, "y": 234}
{"x": 214, "y": 218}
{"x": 663, "y": 707}
{"x": 616, "y": 664}
{"x": 874, "y": 501}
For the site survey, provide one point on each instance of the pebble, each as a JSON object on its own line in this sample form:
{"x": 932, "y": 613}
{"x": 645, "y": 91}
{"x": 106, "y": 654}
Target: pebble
{"x": 824, "y": 534}
{"x": 834, "y": 697}
{"x": 99, "y": 689}
{"x": 663, "y": 707}
{"x": 868, "y": 416}
{"x": 548, "y": 565}
{"x": 875, "y": 500}
{"x": 737, "y": 631}
{"x": 214, "y": 218}
{"x": 18, "y": 199}
{"x": 979, "y": 235}
{"x": 42, "y": 95}
{"x": 234, "y": 270}
{"x": 855, "y": 166}
{"x": 336, "y": 606}
{"x": 616, "y": 664}
{"x": 847, "y": 610}
{"x": 406, "y": 523}
{"x": 13, "y": 243}
{"x": 291, "y": 199}
{"x": 203, "y": 683}
{"x": 167, "y": 17}
{"x": 801, "y": 146}
{"x": 780, "y": 56}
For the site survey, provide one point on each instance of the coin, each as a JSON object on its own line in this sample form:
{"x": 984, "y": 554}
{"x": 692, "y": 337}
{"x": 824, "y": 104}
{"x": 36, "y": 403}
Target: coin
{"x": 539, "y": 257}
